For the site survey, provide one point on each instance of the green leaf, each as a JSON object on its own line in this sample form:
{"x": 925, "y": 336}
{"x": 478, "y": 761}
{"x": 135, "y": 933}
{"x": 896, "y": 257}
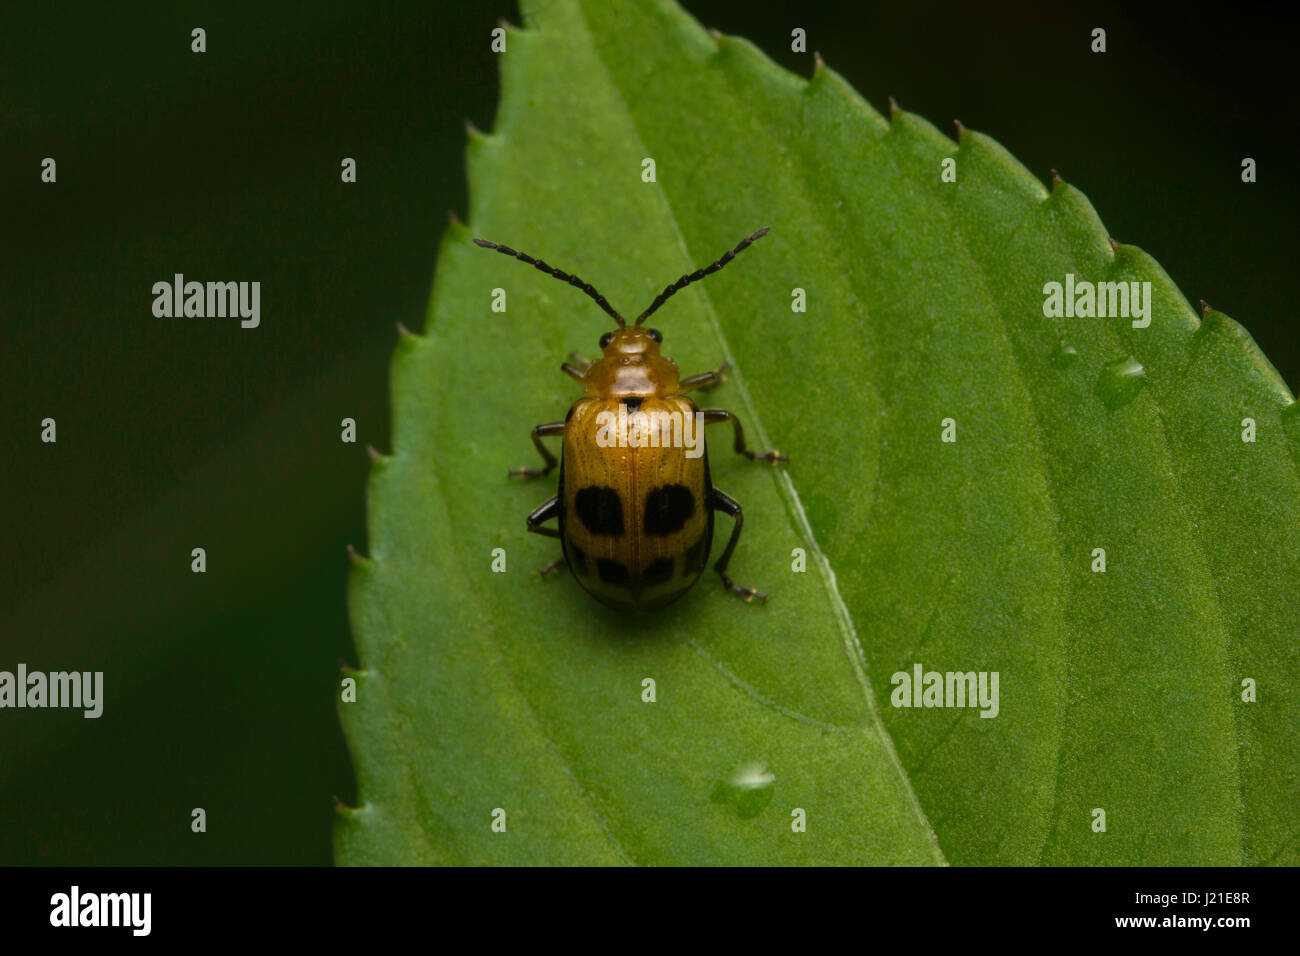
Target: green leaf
{"x": 1119, "y": 690}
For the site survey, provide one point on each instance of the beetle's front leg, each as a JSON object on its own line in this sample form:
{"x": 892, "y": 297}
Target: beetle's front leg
{"x": 712, "y": 415}
{"x": 550, "y": 429}
{"x": 721, "y": 501}
{"x": 576, "y": 367}
{"x": 704, "y": 381}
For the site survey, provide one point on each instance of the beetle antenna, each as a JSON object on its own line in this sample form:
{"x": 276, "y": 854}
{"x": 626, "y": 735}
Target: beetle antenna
{"x": 698, "y": 274}
{"x": 560, "y": 274}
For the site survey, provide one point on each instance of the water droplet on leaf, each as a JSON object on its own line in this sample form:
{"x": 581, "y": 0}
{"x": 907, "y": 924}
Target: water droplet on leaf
{"x": 747, "y": 789}
{"x": 1120, "y": 382}
{"x": 1065, "y": 355}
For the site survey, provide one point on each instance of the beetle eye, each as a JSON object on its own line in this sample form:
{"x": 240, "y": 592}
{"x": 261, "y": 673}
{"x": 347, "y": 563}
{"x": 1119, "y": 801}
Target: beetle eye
{"x": 656, "y": 335}
{"x": 606, "y": 339}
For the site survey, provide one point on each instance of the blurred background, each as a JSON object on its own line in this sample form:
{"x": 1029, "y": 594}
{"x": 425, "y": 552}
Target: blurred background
{"x": 174, "y": 434}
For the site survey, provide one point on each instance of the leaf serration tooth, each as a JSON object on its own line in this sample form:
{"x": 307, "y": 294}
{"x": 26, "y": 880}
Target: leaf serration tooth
{"x": 347, "y": 670}
{"x": 364, "y": 808}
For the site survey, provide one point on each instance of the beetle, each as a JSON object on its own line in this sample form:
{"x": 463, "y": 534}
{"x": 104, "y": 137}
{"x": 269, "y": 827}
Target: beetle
{"x": 635, "y": 503}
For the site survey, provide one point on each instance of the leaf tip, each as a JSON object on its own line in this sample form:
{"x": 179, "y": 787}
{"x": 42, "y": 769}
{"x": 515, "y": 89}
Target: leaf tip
{"x": 1114, "y": 243}
{"x": 1056, "y": 180}
{"x": 474, "y": 134}
{"x": 893, "y": 108}
{"x": 961, "y": 130}
{"x": 1206, "y": 309}
{"x": 819, "y": 65}
{"x": 718, "y": 38}
{"x": 453, "y": 220}
{"x": 356, "y": 558}
{"x": 403, "y": 332}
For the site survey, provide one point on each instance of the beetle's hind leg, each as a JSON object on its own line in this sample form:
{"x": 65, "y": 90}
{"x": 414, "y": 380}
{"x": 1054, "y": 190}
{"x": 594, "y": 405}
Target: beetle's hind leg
{"x": 721, "y": 501}
{"x": 705, "y": 381}
{"x": 548, "y": 430}
{"x": 712, "y": 415}
{"x": 555, "y": 567}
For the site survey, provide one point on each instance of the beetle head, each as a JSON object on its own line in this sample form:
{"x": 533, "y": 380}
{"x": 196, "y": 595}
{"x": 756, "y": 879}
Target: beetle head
{"x": 631, "y": 341}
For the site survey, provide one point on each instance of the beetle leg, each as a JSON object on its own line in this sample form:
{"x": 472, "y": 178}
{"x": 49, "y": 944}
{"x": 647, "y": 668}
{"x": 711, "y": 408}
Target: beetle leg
{"x": 705, "y": 380}
{"x": 712, "y": 415}
{"x": 576, "y": 367}
{"x": 721, "y": 501}
{"x": 550, "y": 429}
{"x": 545, "y": 512}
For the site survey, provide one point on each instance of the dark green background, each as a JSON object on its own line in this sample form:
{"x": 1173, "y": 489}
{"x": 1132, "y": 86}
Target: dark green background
{"x": 178, "y": 433}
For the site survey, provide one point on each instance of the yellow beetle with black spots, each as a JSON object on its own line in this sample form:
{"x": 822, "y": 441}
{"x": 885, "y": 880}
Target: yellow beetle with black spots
{"x": 635, "y": 503}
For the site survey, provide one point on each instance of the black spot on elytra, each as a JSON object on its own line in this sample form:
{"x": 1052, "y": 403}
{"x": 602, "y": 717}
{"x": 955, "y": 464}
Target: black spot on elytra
{"x": 633, "y": 403}
{"x": 657, "y": 571}
{"x": 578, "y": 559}
{"x": 695, "y": 555}
{"x": 668, "y": 508}
{"x": 612, "y": 572}
{"x": 599, "y": 509}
